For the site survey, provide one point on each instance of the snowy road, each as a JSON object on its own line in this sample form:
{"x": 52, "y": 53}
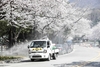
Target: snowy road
{"x": 80, "y": 57}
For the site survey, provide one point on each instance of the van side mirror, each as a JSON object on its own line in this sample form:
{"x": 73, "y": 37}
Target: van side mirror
{"x": 48, "y": 46}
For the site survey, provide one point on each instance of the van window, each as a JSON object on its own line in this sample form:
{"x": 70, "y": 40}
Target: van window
{"x": 36, "y": 44}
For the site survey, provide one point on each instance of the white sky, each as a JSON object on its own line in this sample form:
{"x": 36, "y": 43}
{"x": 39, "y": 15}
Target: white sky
{"x": 92, "y": 3}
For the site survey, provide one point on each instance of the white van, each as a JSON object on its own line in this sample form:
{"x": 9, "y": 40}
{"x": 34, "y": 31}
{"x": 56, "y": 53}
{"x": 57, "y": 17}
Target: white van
{"x": 42, "y": 49}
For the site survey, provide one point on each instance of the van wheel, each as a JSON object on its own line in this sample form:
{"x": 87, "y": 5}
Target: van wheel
{"x": 49, "y": 58}
{"x": 32, "y": 59}
{"x": 54, "y": 56}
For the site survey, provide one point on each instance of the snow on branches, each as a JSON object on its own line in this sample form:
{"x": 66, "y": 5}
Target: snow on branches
{"x": 44, "y": 15}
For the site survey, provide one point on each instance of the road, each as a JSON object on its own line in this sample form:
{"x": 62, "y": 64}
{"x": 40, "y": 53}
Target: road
{"x": 80, "y": 57}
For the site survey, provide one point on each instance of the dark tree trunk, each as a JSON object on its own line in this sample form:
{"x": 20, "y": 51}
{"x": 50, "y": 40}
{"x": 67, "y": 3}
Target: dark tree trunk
{"x": 23, "y": 36}
{"x": 10, "y": 38}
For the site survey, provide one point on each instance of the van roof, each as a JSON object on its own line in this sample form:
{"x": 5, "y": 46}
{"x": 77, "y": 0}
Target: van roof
{"x": 42, "y": 40}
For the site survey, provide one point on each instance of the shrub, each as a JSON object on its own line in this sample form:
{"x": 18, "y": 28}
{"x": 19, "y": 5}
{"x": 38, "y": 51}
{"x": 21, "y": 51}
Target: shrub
{"x": 8, "y": 57}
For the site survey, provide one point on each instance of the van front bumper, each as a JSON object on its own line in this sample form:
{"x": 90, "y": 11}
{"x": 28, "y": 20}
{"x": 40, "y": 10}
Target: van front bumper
{"x": 38, "y": 55}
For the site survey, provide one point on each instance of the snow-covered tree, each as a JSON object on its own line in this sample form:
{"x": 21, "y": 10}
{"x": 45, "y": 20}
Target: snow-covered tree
{"x": 44, "y": 16}
{"x": 93, "y": 15}
{"x": 2, "y": 12}
{"x": 95, "y": 33}
{"x": 81, "y": 27}
{"x": 16, "y": 15}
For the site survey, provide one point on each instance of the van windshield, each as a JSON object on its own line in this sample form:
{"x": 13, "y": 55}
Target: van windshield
{"x": 36, "y": 44}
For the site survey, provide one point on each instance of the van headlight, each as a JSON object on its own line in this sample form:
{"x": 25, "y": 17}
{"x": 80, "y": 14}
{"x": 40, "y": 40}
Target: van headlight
{"x": 45, "y": 51}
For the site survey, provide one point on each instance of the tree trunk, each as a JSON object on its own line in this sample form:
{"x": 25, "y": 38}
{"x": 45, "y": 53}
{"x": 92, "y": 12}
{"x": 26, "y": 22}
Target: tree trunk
{"x": 16, "y": 35}
{"x": 10, "y": 38}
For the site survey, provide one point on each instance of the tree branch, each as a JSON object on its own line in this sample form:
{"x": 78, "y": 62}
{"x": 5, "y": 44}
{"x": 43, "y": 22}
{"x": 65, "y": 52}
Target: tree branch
{"x": 46, "y": 26}
{"x": 3, "y": 4}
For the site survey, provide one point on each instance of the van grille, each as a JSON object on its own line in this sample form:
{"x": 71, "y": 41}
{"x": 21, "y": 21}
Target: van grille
{"x": 38, "y": 52}
{"x": 36, "y": 56}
